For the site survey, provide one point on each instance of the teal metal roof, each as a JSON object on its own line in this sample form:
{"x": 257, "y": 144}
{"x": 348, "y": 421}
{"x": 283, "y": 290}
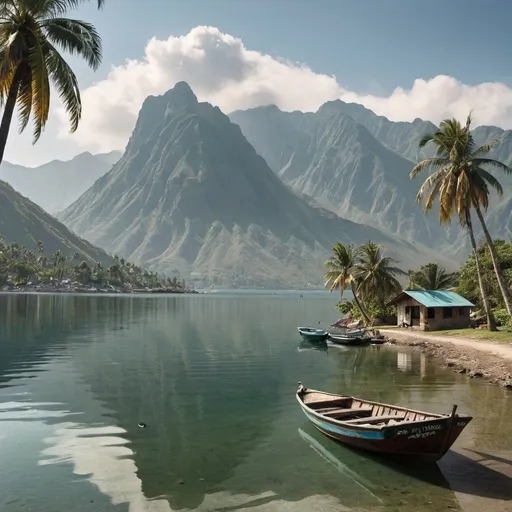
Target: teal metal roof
{"x": 436, "y": 298}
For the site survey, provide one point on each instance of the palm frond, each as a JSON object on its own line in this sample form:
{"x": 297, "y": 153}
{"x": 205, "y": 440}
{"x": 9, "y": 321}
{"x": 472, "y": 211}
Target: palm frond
{"x": 76, "y": 37}
{"x": 66, "y": 83}
{"x": 486, "y": 148}
{"x": 478, "y": 162}
{"x": 434, "y": 162}
{"x": 426, "y": 139}
{"x": 25, "y": 95}
{"x": 491, "y": 180}
{"x": 40, "y": 81}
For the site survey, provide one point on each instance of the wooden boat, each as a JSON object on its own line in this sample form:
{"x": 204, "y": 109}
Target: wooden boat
{"x": 343, "y": 339}
{"x": 313, "y": 335}
{"x": 382, "y": 428}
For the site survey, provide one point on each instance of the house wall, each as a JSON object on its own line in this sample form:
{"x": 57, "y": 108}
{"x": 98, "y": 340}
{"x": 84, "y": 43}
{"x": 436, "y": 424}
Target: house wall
{"x": 401, "y": 315}
{"x": 459, "y": 320}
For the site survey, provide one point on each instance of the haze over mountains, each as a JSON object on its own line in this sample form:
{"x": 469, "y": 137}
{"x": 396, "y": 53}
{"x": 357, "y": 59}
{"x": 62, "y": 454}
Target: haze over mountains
{"x": 191, "y": 194}
{"x": 56, "y": 184}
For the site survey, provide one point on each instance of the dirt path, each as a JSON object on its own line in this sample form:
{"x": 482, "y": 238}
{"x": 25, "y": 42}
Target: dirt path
{"x": 477, "y": 359}
{"x": 496, "y": 348}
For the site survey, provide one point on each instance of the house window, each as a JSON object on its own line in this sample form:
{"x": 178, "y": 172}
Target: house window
{"x": 461, "y": 311}
{"x": 431, "y": 313}
{"x": 447, "y": 312}
{"x": 406, "y": 310}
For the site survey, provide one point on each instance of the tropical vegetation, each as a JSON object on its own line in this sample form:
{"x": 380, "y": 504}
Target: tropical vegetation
{"x": 371, "y": 275}
{"x": 33, "y": 35}
{"x": 469, "y": 288}
{"x": 431, "y": 277}
{"x": 460, "y": 182}
{"x": 20, "y": 266}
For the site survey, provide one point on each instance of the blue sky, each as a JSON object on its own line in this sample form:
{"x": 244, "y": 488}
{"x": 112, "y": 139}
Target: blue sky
{"x": 370, "y": 46}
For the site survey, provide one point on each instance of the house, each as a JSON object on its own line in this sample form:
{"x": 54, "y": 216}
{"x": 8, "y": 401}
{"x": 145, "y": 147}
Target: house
{"x": 431, "y": 310}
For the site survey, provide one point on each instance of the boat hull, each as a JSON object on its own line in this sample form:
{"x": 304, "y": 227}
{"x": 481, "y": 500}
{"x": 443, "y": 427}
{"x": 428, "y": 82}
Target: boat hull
{"x": 427, "y": 440}
{"x": 348, "y": 341}
{"x": 314, "y": 336}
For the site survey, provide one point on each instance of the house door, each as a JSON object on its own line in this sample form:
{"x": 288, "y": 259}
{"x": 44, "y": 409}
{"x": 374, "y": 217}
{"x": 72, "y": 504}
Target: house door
{"x": 415, "y": 315}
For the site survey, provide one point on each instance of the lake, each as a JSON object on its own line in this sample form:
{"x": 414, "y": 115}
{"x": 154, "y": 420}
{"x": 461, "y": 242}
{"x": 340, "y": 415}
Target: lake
{"x": 214, "y": 377}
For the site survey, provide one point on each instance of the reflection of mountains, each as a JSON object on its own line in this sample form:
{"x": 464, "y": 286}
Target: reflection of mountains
{"x": 198, "y": 383}
{"x": 35, "y": 328}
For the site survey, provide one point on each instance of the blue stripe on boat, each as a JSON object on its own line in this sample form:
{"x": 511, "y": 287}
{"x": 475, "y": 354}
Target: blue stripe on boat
{"x": 342, "y": 431}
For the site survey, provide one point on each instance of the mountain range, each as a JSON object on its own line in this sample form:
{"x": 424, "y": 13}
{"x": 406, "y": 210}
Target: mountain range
{"x": 56, "y": 184}
{"x": 357, "y": 164}
{"x": 255, "y": 199}
{"x": 191, "y": 194}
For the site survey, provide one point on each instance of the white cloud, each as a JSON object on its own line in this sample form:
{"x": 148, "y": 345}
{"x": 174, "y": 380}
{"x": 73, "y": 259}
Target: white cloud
{"x": 221, "y": 70}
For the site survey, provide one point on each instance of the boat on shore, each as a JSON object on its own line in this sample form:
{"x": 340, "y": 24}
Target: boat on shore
{"x": 313, "y": 335}
{"x": 382, "y": 428}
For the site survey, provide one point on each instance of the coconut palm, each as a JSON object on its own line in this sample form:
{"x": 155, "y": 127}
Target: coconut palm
{"x": 339, "y": 273}
{"x": 32, "y": 34}
{"x": 375, "y": 273}
{"x": 461, "y": 183}
{"x": 431, "y": 277}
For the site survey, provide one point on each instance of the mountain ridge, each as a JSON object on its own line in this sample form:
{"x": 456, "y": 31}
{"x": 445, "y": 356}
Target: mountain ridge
{"x": 56, "y": 184}
{"x": 191, "y": 194}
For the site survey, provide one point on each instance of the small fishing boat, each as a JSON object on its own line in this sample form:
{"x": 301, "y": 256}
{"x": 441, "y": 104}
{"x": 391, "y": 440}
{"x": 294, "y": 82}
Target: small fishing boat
{"x": 313, "y": 335}
{"x": 382, "y": 428}
{"x": 353, "y": 341}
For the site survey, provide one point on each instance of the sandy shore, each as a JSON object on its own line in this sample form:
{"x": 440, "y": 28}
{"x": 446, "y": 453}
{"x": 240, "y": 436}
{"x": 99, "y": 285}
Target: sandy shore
{"x": 477, "y": 359}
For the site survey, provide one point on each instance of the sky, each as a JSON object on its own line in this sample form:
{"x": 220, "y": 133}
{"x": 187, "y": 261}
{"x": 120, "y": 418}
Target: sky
{"x": 401, "y": 58}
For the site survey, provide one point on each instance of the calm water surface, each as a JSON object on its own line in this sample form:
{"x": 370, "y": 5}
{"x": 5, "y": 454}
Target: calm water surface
{"x": 213, "y": 376}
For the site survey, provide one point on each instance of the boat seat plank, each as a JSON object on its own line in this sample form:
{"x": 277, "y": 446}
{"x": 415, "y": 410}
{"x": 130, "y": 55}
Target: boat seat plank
{"x": 348, "y": 412}
{"x": 377, "y": 419}
{"x": 322, "y": 404}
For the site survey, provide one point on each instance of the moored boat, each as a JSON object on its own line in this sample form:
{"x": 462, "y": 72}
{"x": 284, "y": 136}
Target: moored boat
{"x": 382, "y": 428}
{"x": 313, "y": 335}
{"x": 343, "y": 339}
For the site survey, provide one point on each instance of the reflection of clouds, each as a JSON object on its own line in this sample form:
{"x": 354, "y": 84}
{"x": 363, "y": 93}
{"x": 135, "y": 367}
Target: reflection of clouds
{"x": 102, "y": 455}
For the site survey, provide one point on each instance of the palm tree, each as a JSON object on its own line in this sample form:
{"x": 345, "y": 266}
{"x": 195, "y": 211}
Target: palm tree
{"x": 375, "y": 273}
{"x": 339, "y": 273}
{"x": 31, "y": 34}
{"x": 431, "y": 277}
{"x": 461, "y": 183}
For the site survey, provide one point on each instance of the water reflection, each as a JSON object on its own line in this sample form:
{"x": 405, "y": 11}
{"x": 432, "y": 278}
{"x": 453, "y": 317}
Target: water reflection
{"x": 214, "y": 379}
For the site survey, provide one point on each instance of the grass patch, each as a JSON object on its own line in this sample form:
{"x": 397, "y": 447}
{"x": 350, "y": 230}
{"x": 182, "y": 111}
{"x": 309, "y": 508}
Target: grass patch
{"x": 476, "y": 334}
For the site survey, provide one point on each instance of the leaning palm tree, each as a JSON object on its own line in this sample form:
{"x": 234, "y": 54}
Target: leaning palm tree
{"x": 431, "y": 277}
{"x": 32, "y": 34}
{"x": 375, "y": 273}
{"x": 461, "y": 183}
{"x": 339, "y": 273}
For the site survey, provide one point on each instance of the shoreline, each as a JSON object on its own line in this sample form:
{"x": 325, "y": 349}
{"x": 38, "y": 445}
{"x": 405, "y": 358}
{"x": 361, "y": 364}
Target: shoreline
{"x": 476, "y": 359}
{"x": 93, "y": 291}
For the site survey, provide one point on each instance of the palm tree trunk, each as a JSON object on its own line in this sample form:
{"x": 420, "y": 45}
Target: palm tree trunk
{"x": 10, "y": 105}
{"x": 491, "y": 322}
{"x": 505, "y": 290}
{"x": 360, "y": 306}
